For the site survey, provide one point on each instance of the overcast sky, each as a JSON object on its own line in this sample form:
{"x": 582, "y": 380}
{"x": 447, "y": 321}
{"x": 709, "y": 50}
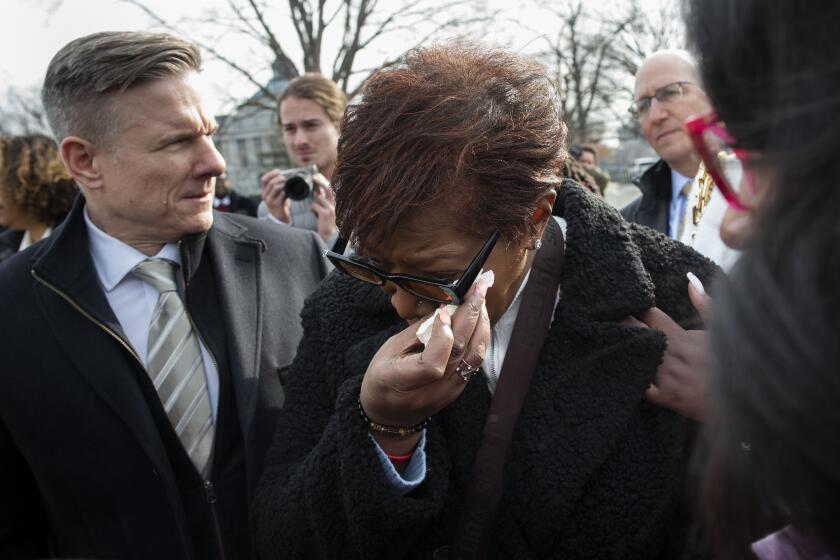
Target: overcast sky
{"x": 31, "y": 32}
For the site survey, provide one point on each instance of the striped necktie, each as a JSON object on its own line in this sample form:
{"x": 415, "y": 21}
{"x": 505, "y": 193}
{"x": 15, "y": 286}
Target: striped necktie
{"x": 684, "y": 192}
{"x": 175, "y": 364}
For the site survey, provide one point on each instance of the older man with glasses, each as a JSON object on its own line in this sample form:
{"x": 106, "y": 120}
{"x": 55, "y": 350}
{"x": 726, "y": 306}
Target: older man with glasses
{"x": 678, "y": 198}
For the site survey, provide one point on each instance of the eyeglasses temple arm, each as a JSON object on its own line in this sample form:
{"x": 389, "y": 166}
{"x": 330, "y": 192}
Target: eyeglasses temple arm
{"x": 339, "y": 246}
{"x": 472, "y": 272}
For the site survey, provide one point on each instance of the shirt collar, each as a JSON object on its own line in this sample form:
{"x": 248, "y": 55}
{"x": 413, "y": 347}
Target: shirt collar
{"x": 26, "y": 240}
{"x": 678, "y": 181}
{"x": 114, "y": 259}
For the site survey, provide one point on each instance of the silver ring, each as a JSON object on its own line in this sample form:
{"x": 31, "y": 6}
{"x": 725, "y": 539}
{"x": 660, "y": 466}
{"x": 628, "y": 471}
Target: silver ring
{"x": 466, "y": 371}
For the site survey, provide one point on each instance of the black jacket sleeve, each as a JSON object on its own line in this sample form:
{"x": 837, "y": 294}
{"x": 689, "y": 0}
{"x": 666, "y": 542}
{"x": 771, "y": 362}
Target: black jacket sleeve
{"x": 323, "y": 493}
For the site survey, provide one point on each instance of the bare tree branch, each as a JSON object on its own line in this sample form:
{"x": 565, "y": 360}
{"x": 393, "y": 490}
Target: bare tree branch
{"x": 289, "y": 68}
{"x": 361, "y": 24}
{"x": 586, "y": 59}
{"x": 21, "y": 112}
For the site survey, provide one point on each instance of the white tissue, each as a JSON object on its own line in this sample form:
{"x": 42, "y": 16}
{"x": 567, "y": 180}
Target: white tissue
{"x": 424, "y": 333}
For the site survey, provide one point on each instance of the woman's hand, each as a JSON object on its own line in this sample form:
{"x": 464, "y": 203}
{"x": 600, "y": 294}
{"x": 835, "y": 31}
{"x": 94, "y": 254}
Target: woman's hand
{"x": 403, "y": 386}
{"x": 272, "y": 185}
{"x": 682, "y": 377}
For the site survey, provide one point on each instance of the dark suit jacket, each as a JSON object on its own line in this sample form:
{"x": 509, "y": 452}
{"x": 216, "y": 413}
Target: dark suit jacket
{"x": 652, "y": 208}
{"x": 84, "y": 469}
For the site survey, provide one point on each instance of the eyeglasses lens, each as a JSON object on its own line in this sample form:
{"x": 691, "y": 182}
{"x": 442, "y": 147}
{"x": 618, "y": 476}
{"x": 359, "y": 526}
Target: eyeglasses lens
{"x": 358, "y": 272}
{"x": 670, "y": 93}
{"x": 667, "y": 94}
{"x": 426, "y": 291}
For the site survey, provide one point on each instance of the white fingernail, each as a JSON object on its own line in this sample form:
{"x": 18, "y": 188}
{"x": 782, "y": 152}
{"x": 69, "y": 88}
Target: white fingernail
{"x": 698, "y": 285}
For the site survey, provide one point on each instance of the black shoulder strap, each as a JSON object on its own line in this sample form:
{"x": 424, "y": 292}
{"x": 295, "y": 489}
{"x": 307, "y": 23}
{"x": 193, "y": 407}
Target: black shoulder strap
{"x": 474, "y": 532}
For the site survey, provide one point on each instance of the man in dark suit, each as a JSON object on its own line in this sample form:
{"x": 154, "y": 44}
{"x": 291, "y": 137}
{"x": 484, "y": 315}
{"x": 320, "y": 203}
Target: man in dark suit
{"x": 666, "y": 93}
{"x": 147, "y": 339}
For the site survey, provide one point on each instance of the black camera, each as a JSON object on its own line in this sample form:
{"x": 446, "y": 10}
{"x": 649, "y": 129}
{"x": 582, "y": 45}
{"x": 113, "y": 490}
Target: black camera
{"x": 299, "y": 184}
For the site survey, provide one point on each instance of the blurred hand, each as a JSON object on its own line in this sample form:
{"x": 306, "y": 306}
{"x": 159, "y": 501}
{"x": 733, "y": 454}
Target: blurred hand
{"x": 273, "y": 186}
{"x": 406, "y": 383}
{"x": 323, "y": 206}
{"x": 681, "y": 378}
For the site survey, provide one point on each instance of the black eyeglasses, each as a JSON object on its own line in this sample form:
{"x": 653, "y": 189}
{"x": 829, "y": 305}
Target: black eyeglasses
{"x": 437, "y": 291}
{"x": 666, "y": 94}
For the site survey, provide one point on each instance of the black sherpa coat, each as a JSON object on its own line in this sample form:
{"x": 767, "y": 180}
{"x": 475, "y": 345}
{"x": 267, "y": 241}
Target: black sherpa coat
{"x": 593, "y": 470}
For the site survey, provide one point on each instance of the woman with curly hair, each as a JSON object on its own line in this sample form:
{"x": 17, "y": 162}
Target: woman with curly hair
{"x": 36, "y": 192}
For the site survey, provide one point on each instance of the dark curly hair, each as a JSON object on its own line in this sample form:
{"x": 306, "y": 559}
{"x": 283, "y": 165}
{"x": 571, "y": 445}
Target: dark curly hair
{"x": 33, "y": 177}
{"x": 471, "y": 131}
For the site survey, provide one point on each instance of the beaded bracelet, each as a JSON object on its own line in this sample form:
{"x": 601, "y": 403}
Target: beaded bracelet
{"x": 392, "y": 430}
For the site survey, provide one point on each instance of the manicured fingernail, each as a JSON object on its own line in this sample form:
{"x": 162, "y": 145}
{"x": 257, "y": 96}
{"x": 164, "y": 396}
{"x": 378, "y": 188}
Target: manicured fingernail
{"x": 481, "y": 289}
{"x": 444, "y": 317}
{"x": 698, "y": 285}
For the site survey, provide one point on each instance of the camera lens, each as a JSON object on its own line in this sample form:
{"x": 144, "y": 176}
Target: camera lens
{"x": 297, "y": 187}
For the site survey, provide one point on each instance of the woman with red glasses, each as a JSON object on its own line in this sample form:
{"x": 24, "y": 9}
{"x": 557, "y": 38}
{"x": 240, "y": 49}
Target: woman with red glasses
{"x": 772, "y": 462}
{"x": 517, "y": 427}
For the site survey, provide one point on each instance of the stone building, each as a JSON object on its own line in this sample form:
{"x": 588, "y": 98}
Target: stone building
{"x": 250, "y": 139}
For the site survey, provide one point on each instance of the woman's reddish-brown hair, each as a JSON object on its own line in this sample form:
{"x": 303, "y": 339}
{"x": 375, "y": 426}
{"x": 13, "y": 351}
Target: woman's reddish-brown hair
{"x": 469, "y": 132}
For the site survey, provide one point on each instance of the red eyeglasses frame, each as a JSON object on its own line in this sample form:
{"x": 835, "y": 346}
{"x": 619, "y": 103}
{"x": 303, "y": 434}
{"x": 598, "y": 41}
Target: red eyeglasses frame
{"x": 696, "y": 128}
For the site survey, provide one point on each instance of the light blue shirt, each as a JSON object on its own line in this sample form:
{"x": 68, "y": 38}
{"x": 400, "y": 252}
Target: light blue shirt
{"x": 134, "y": 300}
{"x": 678, "y": 202}
{"x": 415, "y": 471}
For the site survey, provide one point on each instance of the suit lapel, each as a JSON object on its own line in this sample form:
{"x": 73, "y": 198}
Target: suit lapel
{"x": 73, "y": 301}
{"x": 236, "y": 267}
{"x": 655, "y": 208}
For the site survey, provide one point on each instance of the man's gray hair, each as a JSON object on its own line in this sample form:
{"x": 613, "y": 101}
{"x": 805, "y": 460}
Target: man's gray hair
{"x": 84, "y": 75}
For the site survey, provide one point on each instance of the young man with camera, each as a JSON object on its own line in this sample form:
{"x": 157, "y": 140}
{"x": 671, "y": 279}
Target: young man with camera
{"x": 310, "y": 112}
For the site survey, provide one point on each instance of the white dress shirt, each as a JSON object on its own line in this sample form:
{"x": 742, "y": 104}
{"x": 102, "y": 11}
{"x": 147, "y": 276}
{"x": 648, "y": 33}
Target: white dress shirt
{"x": 704, "y": 237}
{"x": 134, "y": 300}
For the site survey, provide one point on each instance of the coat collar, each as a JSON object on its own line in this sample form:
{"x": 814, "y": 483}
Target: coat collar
{"x": 655, "y": 181}
{"x": 64, "y": 263}
{"x": 603, "y": 276}
{"x": 654, "y": 209}
{"x": 236, "y": 261}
